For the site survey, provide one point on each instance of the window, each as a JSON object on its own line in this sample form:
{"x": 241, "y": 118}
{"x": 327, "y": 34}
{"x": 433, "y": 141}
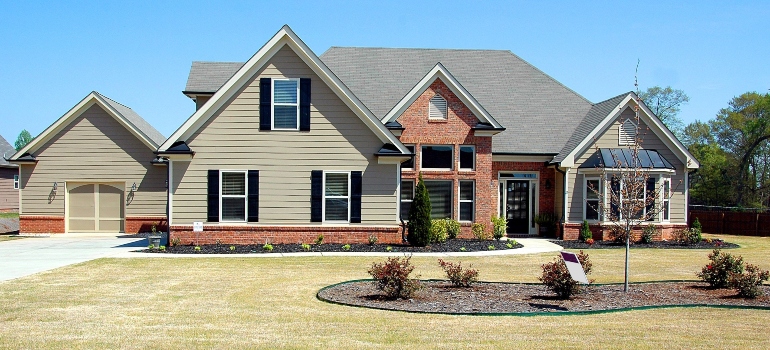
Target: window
{"x": 467, "y": 157}
{"x": 633, "y": 197}
{"x": 437, "y": 157}
{"x": 467, "y": 192}
{"x": 666, "y": 199}
{"x": 591, "y": 196}
{"x": 437, "y": 108}
{"x": 285, "y": 104}
{"x": 233, "y": 196}
{"x": 407, "y": 195}
{"x": 336, "y": 196}
{"x": 440, "y": 193}
{"x": 15, "y": 182}
{"x": 409, "y": 164}
{"x": 627, "y": 133}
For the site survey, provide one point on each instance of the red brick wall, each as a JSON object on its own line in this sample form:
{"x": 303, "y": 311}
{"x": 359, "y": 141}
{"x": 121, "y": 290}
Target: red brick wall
{"x": 41, "y": 224}
{"x": 281, "y": 234}
{"x": 547, "y": 175}
{"x": 139, "y": 224}
{"x": 604, "y": 232}
{"x": 456, "y": 130}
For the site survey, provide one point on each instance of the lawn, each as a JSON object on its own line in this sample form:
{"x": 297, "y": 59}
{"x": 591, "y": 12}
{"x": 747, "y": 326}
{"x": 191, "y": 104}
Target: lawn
{"x": 9, "y": 215}
{"x": 270, "y": 303}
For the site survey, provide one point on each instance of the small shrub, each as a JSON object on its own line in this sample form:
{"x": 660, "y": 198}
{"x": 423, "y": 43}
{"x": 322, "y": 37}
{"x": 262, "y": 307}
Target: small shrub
{"x": 151, "y": 246}
{"x": 546, "y": 220}
{"x": 162, "y": 248}
{"x": 267, "y": 247}
{"x": 346, "y": 247}
{"x": 490, "y": 247}
{"x": 648, "y": 233}
{"x": 509, "y": 245}
{"x": 499, "y": 225}
{"x": 688, "y": 236}
{"x": 585, "y": 231}
{"x": 388, "y": 249}
{"x": 392, "y": 277}
{"x": 462, "y": 249}
{"x": 452, "y": 228}
{"x": 197, "y": 248}
{"x": 176, "y": 241}
{"x": 721, "y": 265}
{"x": 419, "y": 227}
{"x": 747, "y": 283}
{"x": 232, "y": 248}
{"x": 306, "y": 247}
{"x": 696, "y": 225}
{"x": 557, "y": 278}
{"x": 372, "y": 239}
{"x": 696, "y": 234}
{"x": 618, "y": 235}
{"x": 479, "y": 231}
{"x": 438, "y": 231}
{"x": 319, "y": 240}
{"x": 590, "y": 241}
{"x": 457, "y": 275}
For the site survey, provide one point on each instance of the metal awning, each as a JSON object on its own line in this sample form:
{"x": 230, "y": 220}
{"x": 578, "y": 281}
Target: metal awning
{"x": 624, "y": 158}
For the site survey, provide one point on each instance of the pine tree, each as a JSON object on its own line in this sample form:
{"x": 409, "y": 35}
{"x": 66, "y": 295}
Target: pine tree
{"x": 419, "y": 216}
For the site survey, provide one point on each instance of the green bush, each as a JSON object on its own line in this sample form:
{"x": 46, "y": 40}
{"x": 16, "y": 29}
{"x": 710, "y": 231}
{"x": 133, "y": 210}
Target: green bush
{"x": 232, "y": 248}
{"x": 392, "y": 277}
{"x": 438, "y": 231}
{"x": 747, "y": 283}
{"x": 499, "y": 225}
{"x": 452, "y": 228}
{"x": 696, "y": 234}
{"x": 319, "y": 240}
{"x": 688, "y": 235}
{"x": 479, "y": 231}
{"x": 372, "y": 239}
{"x": 346, "y": 247}
{"x": 718, "y": 271}
{"x": 419, "y": 216}
{"x": 585, "y": 231}
{"x": 305, "y": 247}
{"x": 648, "y": 233}
{"x": 457, "y": 275}
{"x": 268, "y": 247}
{"x": 557, "y": 278}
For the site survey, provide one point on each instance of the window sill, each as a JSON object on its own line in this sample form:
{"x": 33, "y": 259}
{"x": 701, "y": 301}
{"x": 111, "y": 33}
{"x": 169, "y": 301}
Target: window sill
{"x": 436, "y": 120}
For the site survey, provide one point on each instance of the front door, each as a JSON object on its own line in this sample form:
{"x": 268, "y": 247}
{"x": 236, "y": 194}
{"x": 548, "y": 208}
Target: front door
{"x": 517, "y": 204}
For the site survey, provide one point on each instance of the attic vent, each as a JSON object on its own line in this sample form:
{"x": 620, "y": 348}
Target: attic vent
{"x": 437, "y": 108}
{"x": 627, "y": 133}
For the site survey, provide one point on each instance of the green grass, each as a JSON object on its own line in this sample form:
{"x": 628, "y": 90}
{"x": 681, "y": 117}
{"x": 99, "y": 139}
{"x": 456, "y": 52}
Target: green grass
{"x": 5, "y": 237}
{"x": 270, "y": 303}
{"x": 9, "y": 215}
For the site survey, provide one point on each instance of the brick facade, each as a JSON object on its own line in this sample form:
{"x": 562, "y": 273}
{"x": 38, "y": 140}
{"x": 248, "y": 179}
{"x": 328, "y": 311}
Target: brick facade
{"x": 282, "y": 234}
{"x": 546, "y": 188}
{"x": 456, "y": 130}
{"x": 139, "y": 224}
{"x": 41, "y": 224}
{"x": 604, "y": 232}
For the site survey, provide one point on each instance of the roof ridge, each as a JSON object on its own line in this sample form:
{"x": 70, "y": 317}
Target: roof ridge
{"x": 612, "y": 98}
{"x": 241, "y": 62}
{"x": 411, "y": 48}
{"x": 102, "y": 95}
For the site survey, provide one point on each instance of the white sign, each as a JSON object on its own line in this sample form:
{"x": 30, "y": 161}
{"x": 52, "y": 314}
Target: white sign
{"x": 574, "y": 267}
{"x": 197, "y": 226}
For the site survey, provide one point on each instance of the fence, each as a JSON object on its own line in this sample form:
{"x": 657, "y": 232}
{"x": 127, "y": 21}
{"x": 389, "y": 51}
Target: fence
{"x": 732, "y": 222}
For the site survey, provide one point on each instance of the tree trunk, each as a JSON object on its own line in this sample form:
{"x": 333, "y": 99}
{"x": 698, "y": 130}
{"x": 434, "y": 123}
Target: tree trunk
{"x": 628, "y": 246}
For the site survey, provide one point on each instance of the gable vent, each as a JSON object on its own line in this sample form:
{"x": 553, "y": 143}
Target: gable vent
{"x": 437, "y": 108}
{"x": 627, "y": 133}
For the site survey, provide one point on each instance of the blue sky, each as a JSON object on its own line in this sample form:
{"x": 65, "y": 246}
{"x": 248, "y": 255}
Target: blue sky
{"x": 139, "y": 53}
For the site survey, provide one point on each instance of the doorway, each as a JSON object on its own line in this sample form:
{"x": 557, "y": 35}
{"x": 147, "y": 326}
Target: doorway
{"x": 518, "y": 202}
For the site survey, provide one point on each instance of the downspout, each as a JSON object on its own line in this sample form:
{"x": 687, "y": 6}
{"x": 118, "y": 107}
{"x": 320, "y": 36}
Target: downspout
{"x": 565, "y": 175}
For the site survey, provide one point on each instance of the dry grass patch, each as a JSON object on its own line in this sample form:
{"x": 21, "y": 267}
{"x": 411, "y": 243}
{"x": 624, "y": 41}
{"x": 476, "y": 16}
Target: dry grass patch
{"x": 270, "y": 303}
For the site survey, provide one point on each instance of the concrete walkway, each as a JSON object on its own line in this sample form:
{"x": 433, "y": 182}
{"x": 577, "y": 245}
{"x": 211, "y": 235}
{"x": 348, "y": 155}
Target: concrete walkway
{"x": 24, "y": 257}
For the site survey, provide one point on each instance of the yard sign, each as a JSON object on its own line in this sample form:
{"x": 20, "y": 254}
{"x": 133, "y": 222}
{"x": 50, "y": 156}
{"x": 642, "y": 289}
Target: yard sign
{"x": 574, "y": 267}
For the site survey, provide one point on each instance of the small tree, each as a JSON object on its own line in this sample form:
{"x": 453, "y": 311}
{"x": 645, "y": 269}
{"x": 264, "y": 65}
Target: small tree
{"x": 585, "y": 231}
{"x": 23, "y": 139}
{"x": 419, "y": 216}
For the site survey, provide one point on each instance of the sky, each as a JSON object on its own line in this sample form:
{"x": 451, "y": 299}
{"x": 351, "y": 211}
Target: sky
{"x": 53, "y": 54}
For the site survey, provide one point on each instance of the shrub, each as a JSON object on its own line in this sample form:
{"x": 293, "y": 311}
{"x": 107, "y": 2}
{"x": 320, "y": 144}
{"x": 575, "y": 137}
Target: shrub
{"x": 306, "y": 247}
{"x": 585, "y": 231}
{"x": 688, "y": 235}
{"x": 438, "y": 231}
{"x": 162, "y": 248}
{"x": 557, "y": 278}
{"x": 509, "y": 245}
{"x": 452, "y": 228}
{"x": 197, "y": 248}
{"x": 696, "y": 234}
{"x": 175, "y": 241}
{"x": 419, "y": 216}
{"x": 232, "y": 248}
{"x": 372, "y": 239}
{"x": 617, "y": 234}
{"x": 547, "y": 220}
{"x": 268, "y": 247}
{"x": 490, "y": 247}
{"x": 457, "y": 275}
{"x": 346, "y": 247}
{"x": 747, "y": 283}
{"x": 479, "y": 231}
{"x": 392, "y": 277}
{"x": 462, "y": 249}
{"x": 151, "y": 246}
{"x": 720, "y": 267}
{"x": 648, "y": 233}
{"x": 590, "y": 241}
{"x": 320, "y": 239}
{"x": 696, "y": 225}
{"x": 388, "y": 249}
{"x": 499, "y": 225}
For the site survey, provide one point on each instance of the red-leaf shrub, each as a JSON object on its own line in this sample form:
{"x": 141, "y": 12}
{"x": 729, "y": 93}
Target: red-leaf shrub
{"x": 557, "y": 278}
{"x": 392, "y": 277}
{"x": 457, "y": 275}
{"x": 717, "y": 272}
{"x": 747, "y": 283}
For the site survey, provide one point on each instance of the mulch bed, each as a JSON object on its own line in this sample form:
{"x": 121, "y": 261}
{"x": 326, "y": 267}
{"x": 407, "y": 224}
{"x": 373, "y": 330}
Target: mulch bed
{"x": 496, "y": 298}
{"x": 452, "y": 245}
{"x": 716, "y": 243}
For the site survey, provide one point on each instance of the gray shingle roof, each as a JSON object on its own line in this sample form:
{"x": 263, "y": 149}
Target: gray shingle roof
{"x": 210, "y": 76}
{"x": 6, "y": 151}
{"x": 139, "y": 123}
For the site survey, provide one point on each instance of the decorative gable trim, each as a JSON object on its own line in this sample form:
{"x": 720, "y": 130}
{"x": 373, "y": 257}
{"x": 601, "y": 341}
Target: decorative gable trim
{"x": 284, "y": 37}
{"x": 440, "y": 72}
{"x": 94, "y": 98}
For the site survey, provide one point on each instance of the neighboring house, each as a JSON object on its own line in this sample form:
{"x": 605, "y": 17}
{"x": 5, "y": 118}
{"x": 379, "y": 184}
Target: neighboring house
{"x": 93, "y": 170}
{"x": 9, "y": 179}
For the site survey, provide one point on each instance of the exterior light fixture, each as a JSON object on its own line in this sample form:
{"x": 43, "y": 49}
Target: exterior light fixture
{"x": 55, "y": 186}
{"x": 133, "y": 187}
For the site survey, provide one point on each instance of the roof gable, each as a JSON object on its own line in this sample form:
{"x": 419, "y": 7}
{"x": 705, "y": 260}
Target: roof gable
{"x": 135, "y": 124}
{"x": 284, "y": 37}
{"x": 6, "y": 150}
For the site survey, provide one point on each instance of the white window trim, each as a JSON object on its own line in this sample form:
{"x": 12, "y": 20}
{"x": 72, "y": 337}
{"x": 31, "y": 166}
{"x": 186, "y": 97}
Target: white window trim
{"x": 621, "y": 128}
{"x": 665, "y": 199}
{"x": 244, "y": 196}
{"x": 401, "y": 201}
{"x": 472, "y": 200}
{"x": 323, "y": 199}
{"x": 444, "y": 113}
{"x": 414, "y": 147}
{"x": 273, "y": 103}
{"x": 451, "y": 195}
{"x": 15, "y": 182}
{"x": 422, "y": 154}
{"x": 644, "y": 197}
{"x": 598, "y": 200}
{"x": 473, "y": 164}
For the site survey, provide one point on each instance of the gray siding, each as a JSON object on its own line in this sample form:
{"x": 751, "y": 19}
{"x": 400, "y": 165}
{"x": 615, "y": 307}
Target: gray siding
{"x": 93, "y": 148}
{"x": 609, "y": 139}
{"x": 338, "y": 140}
{"x": 9, "y": 197}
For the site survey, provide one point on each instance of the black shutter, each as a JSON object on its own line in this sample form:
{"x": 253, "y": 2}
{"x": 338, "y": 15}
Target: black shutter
{"x": 253, "y": 204}
{"x": 304, "y": 104}
{"x": 316, "y": 195}
{"x": 355, "y": 196}
{"x": 213, "y": 196}
{"x": 615, "y": 198}
{"x": 650, "y": 188}
{"x": 265, "y": 100}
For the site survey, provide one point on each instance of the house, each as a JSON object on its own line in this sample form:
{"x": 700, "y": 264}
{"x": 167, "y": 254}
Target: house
{"x": 9, "y": 179}
{"x": 93, "y": 170}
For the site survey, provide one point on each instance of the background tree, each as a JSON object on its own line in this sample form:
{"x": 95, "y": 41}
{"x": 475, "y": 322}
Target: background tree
{"x": 419, "y": 216}
{"x": 666, "y": 103}
{"x": 23, "y": 139}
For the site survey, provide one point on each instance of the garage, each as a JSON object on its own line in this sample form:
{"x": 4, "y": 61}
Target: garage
{"x": 95, "y": 207}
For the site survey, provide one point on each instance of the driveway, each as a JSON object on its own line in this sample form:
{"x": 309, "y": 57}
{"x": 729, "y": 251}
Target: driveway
{"x": 27, "y": 256}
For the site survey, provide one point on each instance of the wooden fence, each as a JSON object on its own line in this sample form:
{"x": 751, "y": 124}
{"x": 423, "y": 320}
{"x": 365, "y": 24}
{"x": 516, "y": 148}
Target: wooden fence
{"x": 732, "y": 222}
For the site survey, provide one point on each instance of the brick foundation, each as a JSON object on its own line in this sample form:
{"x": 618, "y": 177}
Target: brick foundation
{"x": 138, "y": 224}
{"x": 41, "y": 224}
{"x": 604, "y": 232}
{"x": 282, "y": 234}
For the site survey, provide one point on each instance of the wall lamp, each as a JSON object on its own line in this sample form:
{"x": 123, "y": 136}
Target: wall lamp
{"x": 133, "y": 187}
{"x": 55, "y": 187}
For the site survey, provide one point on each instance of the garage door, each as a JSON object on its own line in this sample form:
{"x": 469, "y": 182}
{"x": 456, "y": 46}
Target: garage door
{"x": 96, "y": 208}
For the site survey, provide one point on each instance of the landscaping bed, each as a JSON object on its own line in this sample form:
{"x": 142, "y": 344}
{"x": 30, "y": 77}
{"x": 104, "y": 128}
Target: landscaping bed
{"x": 451, "y": 245}
{"x": 504, "y": 298}
{"x": 704, "y": 244}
